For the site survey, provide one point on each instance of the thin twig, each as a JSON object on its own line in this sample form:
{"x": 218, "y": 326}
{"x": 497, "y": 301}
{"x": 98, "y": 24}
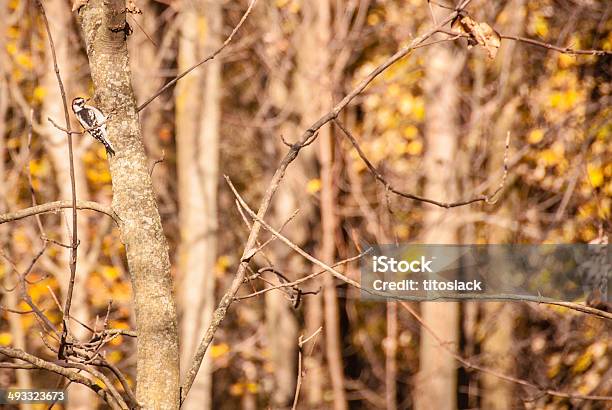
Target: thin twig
{"x": 62, "y": 371}
{"x": 157, "y": 161}
{"x": 301, "y": 373}
{"x": 56, "y": 206}
{"x": 290, "y": 244}
{"x": 75, "y": 236}
{"x": 210, "y": 57}
{"x": 227, "y": 299}
{"x": 388, "y": 187}
{"x": 562, "y": 50}
{"x": 470, "y": 365}
{"x": 524, "y": 298}
{"x": 305, "y": 278}
{"x": 22, "y": 284}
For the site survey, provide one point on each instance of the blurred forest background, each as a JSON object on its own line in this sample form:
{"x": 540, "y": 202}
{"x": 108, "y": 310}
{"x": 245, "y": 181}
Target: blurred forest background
{"x": 434, "y": 124}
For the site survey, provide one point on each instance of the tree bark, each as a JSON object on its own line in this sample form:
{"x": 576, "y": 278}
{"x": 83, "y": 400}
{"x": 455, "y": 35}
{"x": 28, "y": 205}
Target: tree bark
{"x": 318, "y": 80}
{"x": 103, "y": 24}
{"x": 198, "y": 120}
{"x": 437, "y": 378}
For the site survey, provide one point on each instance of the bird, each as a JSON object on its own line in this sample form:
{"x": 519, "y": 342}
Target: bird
{"x": 94, "y": 122}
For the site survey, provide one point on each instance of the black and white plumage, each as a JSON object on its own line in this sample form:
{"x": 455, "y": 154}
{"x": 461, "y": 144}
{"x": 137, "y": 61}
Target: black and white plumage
{"x": 90, "y": 117}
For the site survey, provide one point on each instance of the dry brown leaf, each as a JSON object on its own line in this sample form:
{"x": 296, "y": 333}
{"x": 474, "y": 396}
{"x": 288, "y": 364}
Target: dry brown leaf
{"x": 132, "y": 8}
{"x": 480, "y": 33}
{"x": 78, "y": 4}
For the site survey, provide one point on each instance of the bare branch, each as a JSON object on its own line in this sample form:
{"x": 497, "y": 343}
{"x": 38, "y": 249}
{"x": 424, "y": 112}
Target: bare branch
{"x": 305, "y": 278}
{"x": 210, "y": 57}
{"x": 55, "y": 207}
{"x": 157, "y": 161}
{"x": 524, "y": 298}
{"x": 378, "y": 176}
{"x": 300, "y": 372}
{"x": 470, "y": 365}
{"x": 307, "y": 137}
{"x": 562, "y": 50}
{"x": 62, "y": 371}
{"x": 287, "y": 242}
{"x": 75, "y": 236}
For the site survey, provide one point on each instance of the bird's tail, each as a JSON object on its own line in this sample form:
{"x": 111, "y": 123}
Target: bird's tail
{"x": 109, "y": 148}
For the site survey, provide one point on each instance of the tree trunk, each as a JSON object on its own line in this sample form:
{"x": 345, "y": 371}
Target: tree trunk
{"x": 281, "y": 321}
{"x": 315, "y": 48}
{"x": 498, "y": 316}
{"x": 390, "y": 357}
{"x": 437, "y": 378}
{"x": 103, "y": 23}
{"x": 198, "y": 119}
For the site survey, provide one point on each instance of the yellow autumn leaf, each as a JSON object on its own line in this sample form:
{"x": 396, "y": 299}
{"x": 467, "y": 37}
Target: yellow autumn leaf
{"x": 535, "y": 136}
{"x": 252, "y": 387}
{"x": 596, "y": 176}
{"x": 11, "y": 48}
{"x": 414, "y": 147}
{"x": 39, "y": 167}
{"x": 418, "y": 111}
{"x": 24, "y": 60}
{"x": 410, "y": 132}
{"x": 5, "y": 339}
{"x": 583, "y": 362}
{"x": 119, "y": 324}
{"x": 294, "y": 7}
{"x": 553, "y": 370}
{"x": 110, "y": 272}
{"x": 96, "y": 176}
{"x": 406, "y": 103}
{"x": 39, "y": 94}
{"x": 219, "y": 350}
{"x": 394, "y": 90}
{"x": 223, "y": 262}
{"x": 566, "y": 60}
{"x": 121, "y": 292}
{"x": 540, "y": 26}
{"x": 116, "y": 341}
{"x": 38, "y": 290}
{"x": 402, "y": 231}
{"x": 114, "y": 356}
{"x": 373, "y": 19}
{"x": 548, "y": 157}
{"x": 313, "y": 186}
{"x": 12, "y": 32}
{"x": 237, "y": 389}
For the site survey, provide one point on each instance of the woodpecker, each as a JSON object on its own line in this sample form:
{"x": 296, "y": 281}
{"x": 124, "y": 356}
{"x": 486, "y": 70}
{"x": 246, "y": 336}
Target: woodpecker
{"x": 90, "y": 118}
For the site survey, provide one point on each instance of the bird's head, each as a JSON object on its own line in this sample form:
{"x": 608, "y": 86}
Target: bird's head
{"x": 78, "y": 104}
